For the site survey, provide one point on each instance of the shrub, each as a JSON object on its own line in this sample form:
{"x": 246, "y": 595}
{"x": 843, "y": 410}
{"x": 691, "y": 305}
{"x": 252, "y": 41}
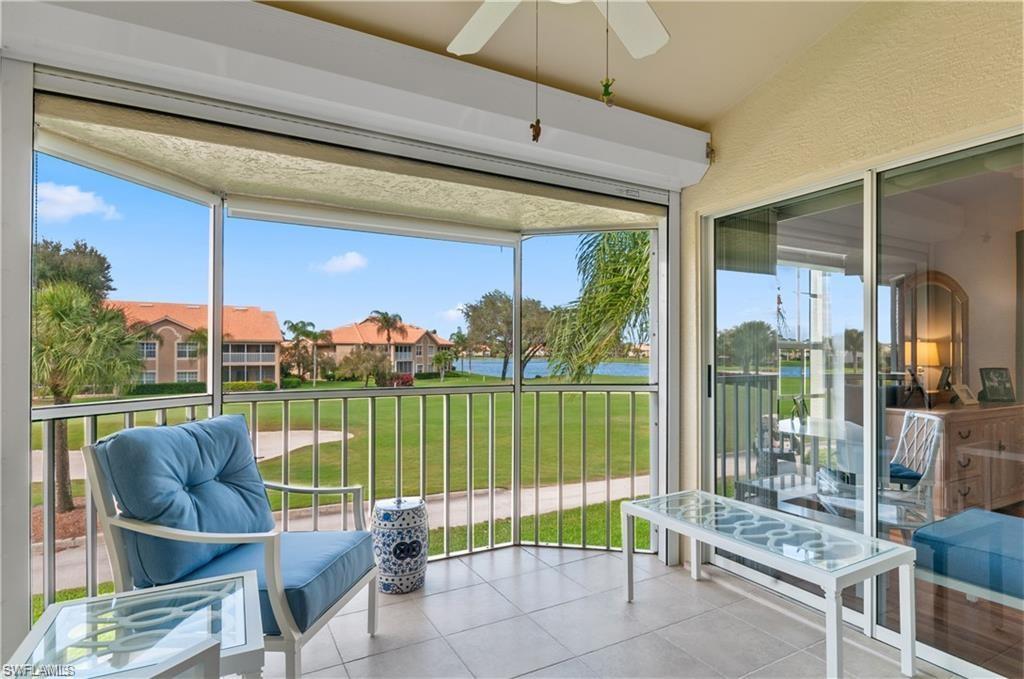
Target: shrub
{"x": 291, "y": 382}
{"x": 241, "y": 386}
{"x": 266, "y": 385}
{"x": 431, "y": 375}
{"x": 168, "y": 388}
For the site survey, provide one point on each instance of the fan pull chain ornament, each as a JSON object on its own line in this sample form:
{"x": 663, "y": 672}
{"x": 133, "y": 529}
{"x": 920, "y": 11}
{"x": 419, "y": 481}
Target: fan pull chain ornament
{"x": 607, "y": 96}
{"x": 535, "y": 129}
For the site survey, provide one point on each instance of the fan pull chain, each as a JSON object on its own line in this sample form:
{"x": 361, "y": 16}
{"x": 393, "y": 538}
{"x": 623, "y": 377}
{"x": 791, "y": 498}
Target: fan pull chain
{"x": 607, "y": 96}
{"x": 535, "y": 125}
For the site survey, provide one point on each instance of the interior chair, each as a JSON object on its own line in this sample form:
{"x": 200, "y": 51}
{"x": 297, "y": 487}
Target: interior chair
{"x": 913, "y": 468}
{"x": 186, "y": 502}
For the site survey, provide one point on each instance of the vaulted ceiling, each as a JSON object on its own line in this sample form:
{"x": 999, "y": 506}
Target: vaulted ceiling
{"x": 718, "y": 52}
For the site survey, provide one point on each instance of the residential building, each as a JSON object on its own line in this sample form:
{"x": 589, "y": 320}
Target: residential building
{"x": 251, "y": 350}
{"x": 412, "y": 349}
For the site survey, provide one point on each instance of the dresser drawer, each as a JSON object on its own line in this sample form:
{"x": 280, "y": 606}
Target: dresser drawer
{"x": 962, "y": 462}
{"x": 963, "y": 494}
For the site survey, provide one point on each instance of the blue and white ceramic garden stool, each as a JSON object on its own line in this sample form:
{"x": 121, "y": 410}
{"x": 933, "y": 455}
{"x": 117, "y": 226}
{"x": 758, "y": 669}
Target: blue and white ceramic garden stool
{"x": 400, "y": 536}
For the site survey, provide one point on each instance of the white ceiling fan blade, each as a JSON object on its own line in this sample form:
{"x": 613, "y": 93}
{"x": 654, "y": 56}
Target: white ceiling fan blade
{"x": 637, "y": 26}
{"x": 481, "y": 26}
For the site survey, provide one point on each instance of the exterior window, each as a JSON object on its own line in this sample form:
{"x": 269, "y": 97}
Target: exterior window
{"x": 147, "y": 350}
{"x": 430, "y": 351}
{"x": 419, "y": 349}
{"x": 188, "y": 350}
{"x": 187, "y": 376}
{"x": 147, "y": 376}
{"x": 419, "y": 367}
{"x": 404, "y": 367}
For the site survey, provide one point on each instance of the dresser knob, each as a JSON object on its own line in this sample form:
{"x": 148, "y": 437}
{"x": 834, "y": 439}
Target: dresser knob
{"x": 964, "y": 436}
{"x": 964, "y": 491}
{"x": 963, "y": 464}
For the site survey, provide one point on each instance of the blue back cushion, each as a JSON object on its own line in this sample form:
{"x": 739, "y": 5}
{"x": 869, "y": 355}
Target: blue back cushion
{"x": 198, "y": 476}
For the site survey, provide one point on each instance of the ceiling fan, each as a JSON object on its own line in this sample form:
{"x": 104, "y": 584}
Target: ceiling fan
{"x": 634, "y": 21}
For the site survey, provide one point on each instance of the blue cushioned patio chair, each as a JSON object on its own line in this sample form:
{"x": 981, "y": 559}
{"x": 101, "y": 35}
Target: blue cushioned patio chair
{"x": 188, "y": 502}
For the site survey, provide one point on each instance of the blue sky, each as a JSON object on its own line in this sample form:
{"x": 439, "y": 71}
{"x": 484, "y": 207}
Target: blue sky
{"x": 157, "y": 247}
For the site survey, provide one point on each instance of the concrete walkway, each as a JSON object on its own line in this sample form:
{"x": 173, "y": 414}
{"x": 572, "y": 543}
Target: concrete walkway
{"x": 268, "y": 444}
{"x": 71, "y": 559}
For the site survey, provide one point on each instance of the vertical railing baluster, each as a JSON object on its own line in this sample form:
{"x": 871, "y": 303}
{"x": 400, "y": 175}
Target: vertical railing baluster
{"x": 398, "y": 447}
{"x": 632, "y": 445}
{"x": 446, "y": 468}
{"x": 129, "y": 420}
{"x": 161, "y": 417}
{"x": 190, "y": 413}
{"x": 583, "y": 469}
{"x": 254, "y": 429}
{"x": 49, "y": 513}
{"x": 750, "y": 444}
{"x": 316, "y": 462}
{"x": 344, "y": 465}
{"x": 608, "y": 469}
{"x": 372, "y": 448}
{"x": 470, "y": 536}
{"x": 561, "y": 478}
{"x": 423, "y": 447}
{"x": 736, "y": 432}
{"x": 285, "y": 426}
{"x": 91, "y": 557}
{"x": 491, "y": 471}
{"x": 536, "y": 467}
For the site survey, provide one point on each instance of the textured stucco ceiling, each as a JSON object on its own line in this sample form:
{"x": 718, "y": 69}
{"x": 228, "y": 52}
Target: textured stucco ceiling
{"x": 717, "y": 54}
{"x": 240, "y": 162}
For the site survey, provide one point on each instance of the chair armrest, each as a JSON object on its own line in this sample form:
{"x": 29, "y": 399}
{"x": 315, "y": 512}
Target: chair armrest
{"x": 318, "y": 490}
{"x": 183, "y": 535}
{"x": 355, "y": 491}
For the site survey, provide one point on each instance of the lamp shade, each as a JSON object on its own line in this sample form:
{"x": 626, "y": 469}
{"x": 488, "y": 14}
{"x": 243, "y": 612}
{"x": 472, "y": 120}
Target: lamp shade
{"x": 927, "y": 353}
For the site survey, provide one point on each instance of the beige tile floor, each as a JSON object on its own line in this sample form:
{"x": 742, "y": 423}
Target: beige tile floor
{"x": 543, "y": 612}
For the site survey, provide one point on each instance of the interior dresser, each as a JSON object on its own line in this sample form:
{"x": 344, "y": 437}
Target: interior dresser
{"x": 981, "y": 458}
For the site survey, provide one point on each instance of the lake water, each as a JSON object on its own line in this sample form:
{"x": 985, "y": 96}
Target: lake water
{"x": 538, "y": 367}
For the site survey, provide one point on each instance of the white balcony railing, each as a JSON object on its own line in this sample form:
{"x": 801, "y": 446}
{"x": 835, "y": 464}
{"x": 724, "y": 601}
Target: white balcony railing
{"x": 249, "y": 357}
{"x": 580, "y": 451}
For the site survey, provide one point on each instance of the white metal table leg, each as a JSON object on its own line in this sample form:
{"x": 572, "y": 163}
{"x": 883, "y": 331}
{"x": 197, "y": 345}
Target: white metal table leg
{"x": 627, "y": 552}
{"x": 907, "y": 619}
{"x": 834, "y": 634}
{"x": 695, "y": 558}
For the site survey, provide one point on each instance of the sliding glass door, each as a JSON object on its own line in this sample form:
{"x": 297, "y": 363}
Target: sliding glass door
{"x": 951, "y": 419}
{"x": 789, "y": 336}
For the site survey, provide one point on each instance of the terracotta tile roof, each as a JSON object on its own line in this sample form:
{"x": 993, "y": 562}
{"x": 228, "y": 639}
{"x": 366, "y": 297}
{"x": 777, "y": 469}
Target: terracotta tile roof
{"x": 366, "y": 332}
{"x": 241, "y": 324}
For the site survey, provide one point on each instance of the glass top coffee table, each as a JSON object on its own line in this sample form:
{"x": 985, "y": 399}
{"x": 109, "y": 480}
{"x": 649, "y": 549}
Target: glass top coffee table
{"x": 829, "y": 556}
{"x": 136, "y": 633}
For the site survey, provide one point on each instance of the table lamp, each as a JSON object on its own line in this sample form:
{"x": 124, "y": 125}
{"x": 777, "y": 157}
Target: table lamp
{"x": 926, "y": 356}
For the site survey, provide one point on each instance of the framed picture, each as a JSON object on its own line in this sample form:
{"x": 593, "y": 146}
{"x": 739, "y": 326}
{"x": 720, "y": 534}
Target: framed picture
{"x": 996, "y": 385}
{"x": 945, "y": 384}
{"x": 964, "y": 393}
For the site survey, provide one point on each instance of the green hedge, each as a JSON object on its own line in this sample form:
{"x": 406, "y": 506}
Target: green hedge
{"x": 249, "y": 386}
{"x": 291, "y": 382}
{"x": 171, "y": 388}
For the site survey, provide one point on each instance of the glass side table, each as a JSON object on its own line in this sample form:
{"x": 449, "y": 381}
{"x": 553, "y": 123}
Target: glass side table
{"x": 134, "y": 633}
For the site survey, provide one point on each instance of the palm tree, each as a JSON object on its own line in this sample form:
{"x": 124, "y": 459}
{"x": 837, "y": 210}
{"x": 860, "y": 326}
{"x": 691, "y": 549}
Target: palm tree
{"x": 460, "y": 343}
{"x": 614, "y": 269}
{"x": 443, "y": 360}
{"x": 305, "y": 331}
{"x": 79, "y": 343}
{"x": 388, "y": 323}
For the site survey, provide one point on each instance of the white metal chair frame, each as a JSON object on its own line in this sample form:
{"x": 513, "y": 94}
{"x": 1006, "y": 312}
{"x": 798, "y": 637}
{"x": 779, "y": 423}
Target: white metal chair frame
{"x": 917, "y": 449}
{"x": 291, "y": 639}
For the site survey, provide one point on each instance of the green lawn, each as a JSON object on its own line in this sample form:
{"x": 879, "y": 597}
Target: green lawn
{"x": 269, "y": 419}
{"x": 571, "y": 535}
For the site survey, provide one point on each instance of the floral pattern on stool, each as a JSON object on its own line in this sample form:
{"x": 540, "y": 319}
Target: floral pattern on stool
{"x": 400, "y": 542}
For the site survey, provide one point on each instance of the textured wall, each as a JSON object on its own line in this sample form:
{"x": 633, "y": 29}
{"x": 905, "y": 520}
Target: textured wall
{"x": 892, "y": 80}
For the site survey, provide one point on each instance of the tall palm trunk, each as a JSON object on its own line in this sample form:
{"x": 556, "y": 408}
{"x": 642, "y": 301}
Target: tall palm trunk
{"x": 62, "y": 466}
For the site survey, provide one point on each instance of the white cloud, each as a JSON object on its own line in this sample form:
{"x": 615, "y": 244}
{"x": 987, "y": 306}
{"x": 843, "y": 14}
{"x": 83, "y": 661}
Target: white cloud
{"x": 62, "y": 203}
{"x": 454, "y": 314}
{"x": 344, "y": 263}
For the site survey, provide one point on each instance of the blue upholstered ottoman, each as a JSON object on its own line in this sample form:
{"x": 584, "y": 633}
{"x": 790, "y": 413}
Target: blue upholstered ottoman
{"x": 979, "y": 547}
{"x": 400, "y": 541}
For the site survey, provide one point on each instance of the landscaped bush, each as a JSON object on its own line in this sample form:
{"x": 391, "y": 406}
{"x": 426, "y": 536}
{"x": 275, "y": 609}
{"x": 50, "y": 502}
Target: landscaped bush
{"x": 431, "y": 375}
{"x": 394, "y": 380}
{"x": 241, "y": 386}
{"x": 171, "y": 388}
{"x": 267, "y": 385}
{"x": 291, "y": 382}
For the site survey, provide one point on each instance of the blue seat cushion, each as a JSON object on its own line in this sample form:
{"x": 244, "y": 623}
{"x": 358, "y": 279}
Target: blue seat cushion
{"x": 198, "y": 476}
{"x": 899, "y": 473}
{"x": 976, "y": 546}
{"x": 317, "y": 569}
